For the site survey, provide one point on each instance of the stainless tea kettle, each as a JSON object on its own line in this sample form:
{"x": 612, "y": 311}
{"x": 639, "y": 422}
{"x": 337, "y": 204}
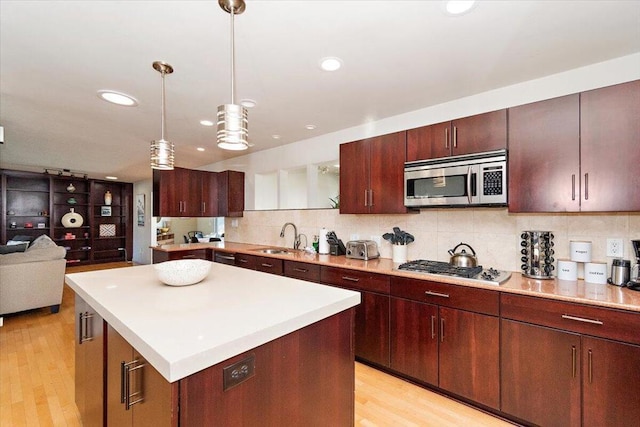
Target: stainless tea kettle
{"x": 462, "y": 258}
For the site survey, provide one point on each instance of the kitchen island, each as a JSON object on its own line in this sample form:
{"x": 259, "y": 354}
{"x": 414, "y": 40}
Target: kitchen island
{"x": 240, "y": 347}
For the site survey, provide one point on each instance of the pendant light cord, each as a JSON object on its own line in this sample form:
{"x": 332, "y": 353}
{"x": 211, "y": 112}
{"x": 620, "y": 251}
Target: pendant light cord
{"x": 233, "y": 58}
{"x": 163, "y": 107}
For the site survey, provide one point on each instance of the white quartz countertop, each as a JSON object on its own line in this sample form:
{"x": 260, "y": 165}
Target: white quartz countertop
{"x": 182, "y": 330}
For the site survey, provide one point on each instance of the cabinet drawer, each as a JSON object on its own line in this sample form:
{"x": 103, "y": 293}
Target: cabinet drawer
{"x": 269, "y": 265}
{"x": 462, "y": 297}
{"x": 302, "y": 270}
{"x": 246, "y": 261}
{"x": 355, "y": 279}
{"x": 189, "y": 254}
{"x": 224, "y": 258}
{"x": 584, "y": 319}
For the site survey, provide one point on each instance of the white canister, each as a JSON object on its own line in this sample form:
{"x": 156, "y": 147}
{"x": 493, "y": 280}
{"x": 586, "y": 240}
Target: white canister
{"x": 400, "y": 253}
{"x": 580, "y": 251}
{"x": 323, "y": 245}
{"x": 595, "y": 272}
{"x": 567, "y": 270}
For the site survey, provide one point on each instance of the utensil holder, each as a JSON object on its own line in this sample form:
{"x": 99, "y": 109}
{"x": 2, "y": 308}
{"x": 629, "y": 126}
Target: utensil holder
{"x": 536, "y": 249}
{"x": 399, "y": 253}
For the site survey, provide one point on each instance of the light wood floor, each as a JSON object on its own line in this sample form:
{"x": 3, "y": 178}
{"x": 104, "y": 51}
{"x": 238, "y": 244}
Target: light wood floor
{"x": 37, "y": 380}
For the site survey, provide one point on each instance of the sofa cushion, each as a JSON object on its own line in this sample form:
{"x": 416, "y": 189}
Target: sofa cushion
{"x": 42, "y": 249}
{"x": 13, "y": 247}
{"x": 42, "y": 242}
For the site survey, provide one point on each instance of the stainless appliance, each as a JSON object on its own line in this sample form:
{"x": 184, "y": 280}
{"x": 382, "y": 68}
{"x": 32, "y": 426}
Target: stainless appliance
{"x": 473, "y": 274}
{"x": 620, "y": 270}
{"x": 537, "y": 254}
{"x": 468, "y": 180}
{"x": 634, "y": 283}
{"x": 362, "y": 249}
{"x": 462, "y": 258}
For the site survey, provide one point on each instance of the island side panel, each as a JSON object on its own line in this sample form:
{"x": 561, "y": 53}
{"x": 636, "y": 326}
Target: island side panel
{"x": 305, "y": 378}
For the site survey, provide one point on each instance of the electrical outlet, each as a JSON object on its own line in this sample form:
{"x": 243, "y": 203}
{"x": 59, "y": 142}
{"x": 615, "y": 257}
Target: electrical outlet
{"x": 614, "y": 248}
{"x": 377, "y": 239}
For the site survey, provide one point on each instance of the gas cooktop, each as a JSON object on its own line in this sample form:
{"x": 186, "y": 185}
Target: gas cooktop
{"x": 475, "y": 274}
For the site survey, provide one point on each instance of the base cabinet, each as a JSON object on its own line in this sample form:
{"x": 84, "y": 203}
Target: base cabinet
{"x": 137, "y": 395}
{"x": 89, "y": 364}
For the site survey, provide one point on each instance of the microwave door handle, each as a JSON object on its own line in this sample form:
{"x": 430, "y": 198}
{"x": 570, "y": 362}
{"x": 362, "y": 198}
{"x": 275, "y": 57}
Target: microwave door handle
{"x": 469, "y": 184}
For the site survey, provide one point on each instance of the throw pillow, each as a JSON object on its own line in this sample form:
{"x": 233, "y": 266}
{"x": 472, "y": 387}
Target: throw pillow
{"x": 8, "y": 249}
{"x": 43, "y": 241}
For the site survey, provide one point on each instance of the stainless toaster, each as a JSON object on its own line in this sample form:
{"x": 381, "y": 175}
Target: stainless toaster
{"x": 362, "y": 249}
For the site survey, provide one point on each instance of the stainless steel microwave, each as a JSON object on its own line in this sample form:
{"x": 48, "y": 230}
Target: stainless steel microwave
{"x": 468, "y": 180}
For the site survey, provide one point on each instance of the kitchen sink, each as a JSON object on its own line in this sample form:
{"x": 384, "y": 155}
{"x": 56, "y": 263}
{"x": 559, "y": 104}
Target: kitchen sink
{"x": 275, "y": 251}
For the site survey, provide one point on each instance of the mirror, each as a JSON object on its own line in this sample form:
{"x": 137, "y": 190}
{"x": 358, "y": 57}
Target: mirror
{"x": 314, "y": 186}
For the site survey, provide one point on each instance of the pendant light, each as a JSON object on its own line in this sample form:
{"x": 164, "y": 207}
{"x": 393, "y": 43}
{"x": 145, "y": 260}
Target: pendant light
{"x": 232, "y": 119}
{"x": 162, "y": 153}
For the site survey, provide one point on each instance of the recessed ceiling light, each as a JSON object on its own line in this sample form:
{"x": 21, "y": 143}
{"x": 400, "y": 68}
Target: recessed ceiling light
{"x": 206, "y": 123}
{"x": 111, "y": 177}
{"x": 310, "y": 127}
{"x": 331, "y": 63}
{"x": 200, "y": 149}
{"x": 248, "y": 103}
{"x": 118, "y": 98}
{"x": 275, "y": 136}
{"x": 459, "y": 7}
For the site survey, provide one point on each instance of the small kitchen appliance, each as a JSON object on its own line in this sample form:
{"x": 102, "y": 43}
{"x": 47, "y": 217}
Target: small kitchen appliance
{"x": 634, "y": 283}
{"x": 362, "y": 249}
{"x": 462, "y": 258}
{"x": 620, "y": 272}
{"x": 536, "y": 248}
{"x": 473, "y": 274}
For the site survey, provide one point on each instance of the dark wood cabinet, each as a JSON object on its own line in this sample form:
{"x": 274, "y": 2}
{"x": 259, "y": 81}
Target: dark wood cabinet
{"x": 26, "y": 204}
{"x": 371, "y": 335}
{"x": 473, "y": 134}
{"x": 246, "y": 261}
{"x": 162, "y": 256}
{"x": 112, "y": 224}
{"x": 436, "y": 339}
{"x": 89, "y": 364}
{"x": 576, "y": 153}
{"x": 193, "y": 193}
{"x": 540, "y": 370}
{"x": 302, "y": 271}
{"x": 610, "y": 148}
{"x": 372, "y": 180}
{"x": 270, "y": 265}
{"x": 580, "y": 361}
{"x": 151, "y": 400}
{"x": 544, "y": 147}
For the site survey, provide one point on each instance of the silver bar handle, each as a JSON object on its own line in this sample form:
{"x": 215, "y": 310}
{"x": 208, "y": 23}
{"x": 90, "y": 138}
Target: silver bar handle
{"x": 188, "y": 256}
{"x": 300, "y": 270}
{"x": 433, "y": 327}
{"x": 436, "y": 294}
{"x": 204, "y": 207}
{"x": 264, "y": 264}
{"x": 242, "y": 260}
{"x": 350, "y": 279}
{"x": 573, "y": 361}
{"x": 128, "y": 369}
{"x": 586, "y": 186}
{"x": 582, "y": 319}
{"x": 455, "y": 137}
{"x": 590, "y": 366}
{"x": 469, "y": 185}
{"x": 227, "y": 257}
{"x": 371, "y": 197}
{"x": 85, "y": 320}
{"x": 442, "y": 330}
{"x": 366, "y": 197}
{"x": 446, "y": 137}
{"x": 573, "y": 186}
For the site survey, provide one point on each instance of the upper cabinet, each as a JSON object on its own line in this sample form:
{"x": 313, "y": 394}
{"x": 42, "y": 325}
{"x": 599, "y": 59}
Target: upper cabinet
{"x": 577, "y": 152}
{"x": 193, "y": 193}
{"x": 474, "y": 134}
{"x": 372, "y": 175}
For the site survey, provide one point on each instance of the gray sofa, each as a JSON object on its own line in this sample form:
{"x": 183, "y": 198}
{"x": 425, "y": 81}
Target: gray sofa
{"x": 33, "y": 278}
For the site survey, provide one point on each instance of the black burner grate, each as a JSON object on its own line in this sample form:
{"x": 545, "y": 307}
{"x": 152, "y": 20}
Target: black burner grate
{"x": 439, "y": 267}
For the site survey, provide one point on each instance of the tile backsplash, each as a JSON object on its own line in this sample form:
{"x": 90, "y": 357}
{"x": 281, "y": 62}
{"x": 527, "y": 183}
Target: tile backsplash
{"x": 493, "y": 233}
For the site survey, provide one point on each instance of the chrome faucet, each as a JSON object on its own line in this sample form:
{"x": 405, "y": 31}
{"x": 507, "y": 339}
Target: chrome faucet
{"x": 296, "y": 237}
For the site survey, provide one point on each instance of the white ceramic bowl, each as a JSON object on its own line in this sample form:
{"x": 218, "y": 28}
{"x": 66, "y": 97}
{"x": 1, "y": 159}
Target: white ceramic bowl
{"x": 182, "y": 272}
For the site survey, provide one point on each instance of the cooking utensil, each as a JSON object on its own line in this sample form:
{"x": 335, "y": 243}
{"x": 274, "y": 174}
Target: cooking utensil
{"x": 462, "y": 258}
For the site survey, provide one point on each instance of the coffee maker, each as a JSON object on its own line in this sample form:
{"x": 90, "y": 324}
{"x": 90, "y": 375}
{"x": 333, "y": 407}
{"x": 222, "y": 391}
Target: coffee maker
{"x": 634, "y": 283}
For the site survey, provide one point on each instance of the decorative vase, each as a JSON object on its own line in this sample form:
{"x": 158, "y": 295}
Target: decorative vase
{"x": 71, "y": 188}
{"x": 400, "y": 253}
{"x": 107, "y": 198}
{"x": 72, "y": 219}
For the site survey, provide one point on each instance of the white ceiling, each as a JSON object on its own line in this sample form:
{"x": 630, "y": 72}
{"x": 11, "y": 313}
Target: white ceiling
{"x": 398, "y": 56}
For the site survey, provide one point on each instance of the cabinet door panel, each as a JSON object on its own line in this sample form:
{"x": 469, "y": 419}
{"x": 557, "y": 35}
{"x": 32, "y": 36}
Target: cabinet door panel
{"x": 372, "y": 328}
{"x": 429, "y": 142}
{"x": 414, "y": 339}
{"x": 469, "y": 355}
{"x": 354, "y": 179}
{"x": 118, "y": 351}
{"x": 610, "y": 148}
{"x": 611, "y": 382}
{"x": 544, "y": 169}
{"x": 540, "y": 370}
{"x": 482, "y": 132}
{"x": 388, "y": 153}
